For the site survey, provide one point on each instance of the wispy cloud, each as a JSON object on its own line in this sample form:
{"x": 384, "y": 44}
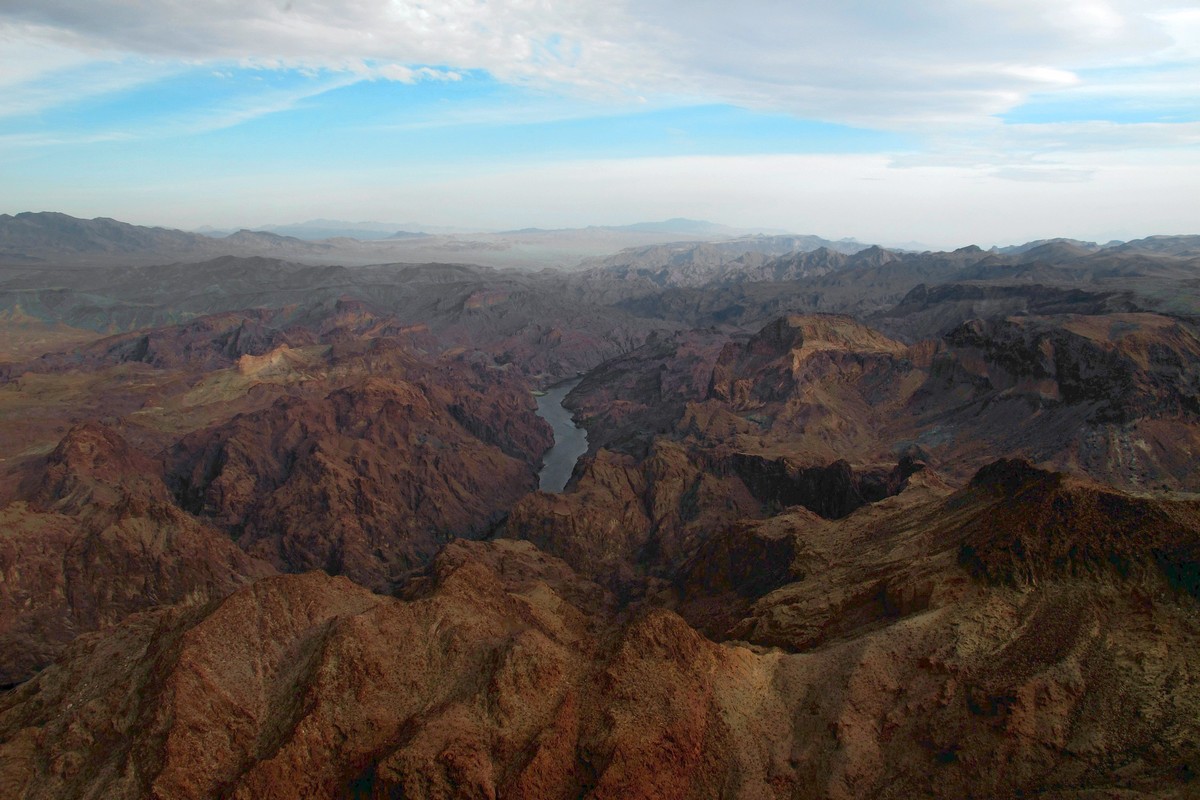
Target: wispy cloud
{"x": 249, "y": 107}
{"x": 225, "y": 111}
{"x": 858, "y": 62}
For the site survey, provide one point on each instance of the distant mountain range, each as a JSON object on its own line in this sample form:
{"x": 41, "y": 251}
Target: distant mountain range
{"x": 676, "y": 226}
{"x": 317, "y": 229}
{"x": 1075, "y": 244}
{"x": 50, "y": 237}
{"x": 56, "y": 238}
{"x": 53, "y": 237}
{"x": 29, "y": 233}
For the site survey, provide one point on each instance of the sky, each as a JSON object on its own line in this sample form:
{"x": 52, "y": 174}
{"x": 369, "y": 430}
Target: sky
{"x": 944, "y": 122}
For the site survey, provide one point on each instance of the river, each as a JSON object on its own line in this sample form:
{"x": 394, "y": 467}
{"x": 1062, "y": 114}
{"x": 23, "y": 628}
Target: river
{"x": 570, "y": 442}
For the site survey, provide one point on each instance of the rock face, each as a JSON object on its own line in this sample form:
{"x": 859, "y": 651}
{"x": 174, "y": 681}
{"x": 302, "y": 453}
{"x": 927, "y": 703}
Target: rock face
{"x": 831, "y": 491}
{"x": 358, "y": 457}
{"x": 369, "y": 480}
{"x": 97, "y": 540}
{"x": 629, "y": 400}
{"x": 1043, "y": 526}
{"x": 1113, "y": 397}
{"x": 1108, "y": 396}
{"x": 825, "y": 413}
{"x": 1126, "y": 366}
{"x": 503, "y": 675}
{"x": 1014, "y": 526}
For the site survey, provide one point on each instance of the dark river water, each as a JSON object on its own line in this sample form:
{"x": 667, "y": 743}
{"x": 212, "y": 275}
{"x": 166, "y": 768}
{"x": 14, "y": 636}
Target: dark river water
{"x": 569, "y": 442}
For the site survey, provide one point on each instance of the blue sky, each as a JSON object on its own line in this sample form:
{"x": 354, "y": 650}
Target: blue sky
{"x": 932, "y": 120}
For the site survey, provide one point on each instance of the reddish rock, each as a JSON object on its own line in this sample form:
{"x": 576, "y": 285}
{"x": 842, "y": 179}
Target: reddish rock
{"x": 93, "y": 470}
{"x": 493, "y": 684}
{"x": 1035, "y": 525}
{"x": 99, "y": 540}
{"x": 209, "y": 342}
{"x": 624, "y": 521}
{"x": 741, "y": 595}
{"x": 369, "y": 480}
{"x": 627, "y": 401}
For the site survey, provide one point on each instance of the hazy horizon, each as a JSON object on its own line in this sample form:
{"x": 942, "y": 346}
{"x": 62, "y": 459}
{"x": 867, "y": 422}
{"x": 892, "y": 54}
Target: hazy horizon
{"x": 945, "y": 124}
{"x": 374, "y": 230}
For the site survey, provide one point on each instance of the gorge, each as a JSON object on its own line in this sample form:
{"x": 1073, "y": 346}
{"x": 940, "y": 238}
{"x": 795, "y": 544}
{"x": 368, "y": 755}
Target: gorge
{"x": 570, "y": 440}
{"x": 879, "y": 524}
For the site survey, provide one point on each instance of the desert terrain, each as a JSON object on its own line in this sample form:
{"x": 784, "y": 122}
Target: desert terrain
{"x": 852, "y": 521}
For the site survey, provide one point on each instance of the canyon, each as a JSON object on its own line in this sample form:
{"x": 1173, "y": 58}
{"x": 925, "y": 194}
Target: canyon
{"x": 837, "y": 521}
{"x": 570, "y": 440}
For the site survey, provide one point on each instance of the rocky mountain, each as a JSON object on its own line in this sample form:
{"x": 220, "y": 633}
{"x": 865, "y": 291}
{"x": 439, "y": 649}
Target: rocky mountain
{"x": 695, "y": 264}
{"x": 31, "y": 234}
{"x": 371, "y": 479}
{"x": 358, "y": 456}
{"x": 933, "y": 311}
{"x": 1184, "y": 246}
{"x": 850, "y": 524}
{"x": 54, "y": 238}
{"x": 919, "y": 674}
{"x": 528, "y": 320}
{"x": 98, "y": 539}
{"x": 695, "y": 435}
{"x": 1075, "y": 246}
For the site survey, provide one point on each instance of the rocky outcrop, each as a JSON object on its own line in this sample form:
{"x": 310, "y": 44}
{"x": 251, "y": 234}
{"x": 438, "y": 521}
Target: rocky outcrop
{"x": 97, "y": 540}
{"x": 831, "y": 491}
{"x": 626, "y": 521}
{"x": 779, "y": 359}
{"x": 494, "y": 684}
{"x": 369, "y": 480}
{"x": 801, "y": 581}
{"x": 327, "y": 702}
{"x": 627, "y": 401}
{"x": 1108, "y": 396}
{"x": 1111, "y": 397}
{"x": 935, "y": 311}
{"x": 1041, "y": 526}
{"x": 1125, "y": 365}
{"x": 207, "y": 343}
{"x": 816, "y": 390}
{"x": 94, "y": 471}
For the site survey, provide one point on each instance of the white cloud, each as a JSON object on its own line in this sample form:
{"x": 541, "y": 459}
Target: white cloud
{"x": 1183, "y": 26}
{"x": 896, "y": 65}
{"x": 941, "y": 70}
{"x": 29, "y": 52}
{"x": 403, "y": 74}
